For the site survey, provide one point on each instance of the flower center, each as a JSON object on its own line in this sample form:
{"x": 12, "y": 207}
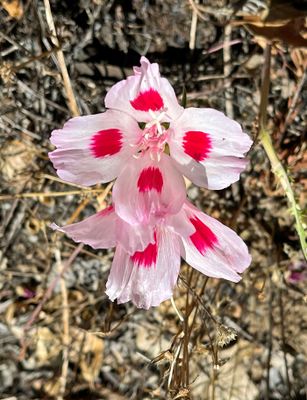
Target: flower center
{"x": 154, "y": 135}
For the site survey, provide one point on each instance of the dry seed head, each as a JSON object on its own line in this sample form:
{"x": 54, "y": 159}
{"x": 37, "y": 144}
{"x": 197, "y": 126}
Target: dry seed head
{"x": 224, "y": 335}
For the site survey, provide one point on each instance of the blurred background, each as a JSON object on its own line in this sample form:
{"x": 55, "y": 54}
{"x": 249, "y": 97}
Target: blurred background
{"x": 60, "y": 337}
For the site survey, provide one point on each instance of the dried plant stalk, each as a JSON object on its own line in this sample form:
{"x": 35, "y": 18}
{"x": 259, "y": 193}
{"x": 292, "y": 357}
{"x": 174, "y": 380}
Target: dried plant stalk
{"x": 72, "y": 103}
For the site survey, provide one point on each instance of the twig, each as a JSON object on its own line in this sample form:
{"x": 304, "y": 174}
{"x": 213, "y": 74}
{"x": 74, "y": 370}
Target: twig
{"x": 193, "y": 27}
{"x": 56, "y": 179}
{"x": 185, "y": 358}
{"x": 270, "y": 339}
{"x": 195, "y": 8}
{"x": 18, "y": 127}
{"x": 50, "y": 194}
{"x": 277, "y": 167}
{"x": 24, "y": 87}
{"x": 198, "y": 299}
{"x": 72, "y": 104}
{"x": 176, "y": 310}
{"x": 48, "y": 293}
{"x": 227, "y": 71}
{"x": 265, "y": 87}
{"x": 220, "y": 46}
{"x": 294, "y": 101}
{"x": 20, "y": 66}
{"x": 283, "y": 338}
{"x": 65, "y": 335}
{"x": 173, "y": 365}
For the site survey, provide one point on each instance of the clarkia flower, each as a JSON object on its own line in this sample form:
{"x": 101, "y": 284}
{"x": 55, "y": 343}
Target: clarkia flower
{"x": 147, "y": 258}
{"x": 148, "y": 142}
{"x": 143, "y": 116}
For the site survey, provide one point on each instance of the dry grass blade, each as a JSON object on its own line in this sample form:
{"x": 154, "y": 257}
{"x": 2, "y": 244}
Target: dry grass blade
{"x": 72, "y": 103}
{"x": 50, "y": 194}
{"x": 227, "y": 71}
{"x": 65, "y": 334}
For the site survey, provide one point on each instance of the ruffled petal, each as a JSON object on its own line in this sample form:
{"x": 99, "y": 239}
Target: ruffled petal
{"x": 143, "y": 93}
{"x": 93, "y": 149}
{"x": 98, "y": 230}
{"x": 105, "y": 229}
{"x": 208, "y": 147}
{"x": 214, "y": 249}
{"x": 148, "y": 189}
{"x": 146, "y": 278}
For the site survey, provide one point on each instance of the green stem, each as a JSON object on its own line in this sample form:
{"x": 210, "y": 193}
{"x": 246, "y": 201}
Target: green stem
{"x": 277, "y": 167}
{"x": 279, "y": 171}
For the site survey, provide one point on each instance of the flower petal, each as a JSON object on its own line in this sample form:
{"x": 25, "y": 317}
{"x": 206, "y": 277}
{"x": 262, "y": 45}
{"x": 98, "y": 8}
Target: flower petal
{"x": 208, "y": 147}
{"x": 93, "y": 149}
{"x": 98, "y": 230}
{"x": 143, "y": 92}
{"x": 148, "y": 189}
{"x": 147, "y": 278}
{"x": 214, "y": 249}
{"x": 134, "y": 237}
{"x": 180, "y": 224}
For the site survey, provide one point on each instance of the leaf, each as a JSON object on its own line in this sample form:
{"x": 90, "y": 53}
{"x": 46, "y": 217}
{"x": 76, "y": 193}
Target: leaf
{"x": 285, "y": 10}
{"x": 289, "y": 33}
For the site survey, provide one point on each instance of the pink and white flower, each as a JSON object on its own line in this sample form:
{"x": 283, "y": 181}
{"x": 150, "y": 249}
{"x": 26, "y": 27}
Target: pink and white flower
{"x": 150, "y": 223}
{"x": 147, "y": 257}
{"x": 143, "y": 116}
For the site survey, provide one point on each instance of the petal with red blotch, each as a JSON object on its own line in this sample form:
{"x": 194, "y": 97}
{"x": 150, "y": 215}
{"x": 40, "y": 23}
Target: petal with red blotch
{"x": 147, "y": 278}
{"x": 98, "y": 230}
{"x": 143, "y": 92}
{"x": 208, "y": 147}
{"x": 93, "y": 149}
{"x": 148, "y": 189}
{"x": 214, "y": 249}
{"x": 146, "y": 258}
{"x": 134, "y": 237}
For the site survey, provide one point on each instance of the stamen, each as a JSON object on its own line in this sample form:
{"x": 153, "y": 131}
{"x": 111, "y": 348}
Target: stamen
{"x": 152, "y": 114}
{"x": 154, "y": 135}
{"x": 162, "y": 114}
{"x": 137, "y": 155}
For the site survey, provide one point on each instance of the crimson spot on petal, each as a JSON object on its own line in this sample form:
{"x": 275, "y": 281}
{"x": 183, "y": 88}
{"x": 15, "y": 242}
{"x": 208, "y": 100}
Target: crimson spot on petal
{"x": 148, "y": 100}
{"x": 147, "y": 257}
{"x": 106, "y": 142}
{"x": 203, "y": 239}
{"x": 150, "y": 178}
{"x": 197, "y": 144}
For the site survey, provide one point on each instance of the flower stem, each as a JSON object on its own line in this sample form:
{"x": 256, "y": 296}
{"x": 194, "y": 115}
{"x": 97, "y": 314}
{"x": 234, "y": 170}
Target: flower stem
{"x": 277, "y": 167}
